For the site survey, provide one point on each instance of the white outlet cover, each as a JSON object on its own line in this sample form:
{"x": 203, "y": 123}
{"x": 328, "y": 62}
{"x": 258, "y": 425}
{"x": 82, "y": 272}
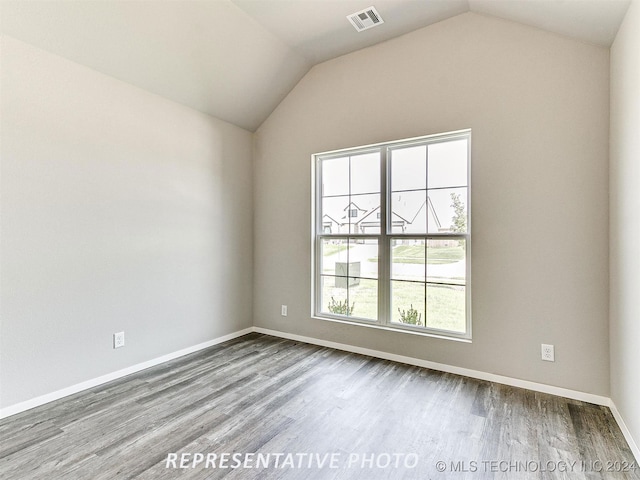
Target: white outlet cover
{"x": 284, "y": 310}
{"x": 118, "y": 340}
{"x": 548, "y": 353}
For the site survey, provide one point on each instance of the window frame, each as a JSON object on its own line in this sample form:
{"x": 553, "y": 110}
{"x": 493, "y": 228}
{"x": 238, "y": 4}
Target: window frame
{"x": 386, "y": 237}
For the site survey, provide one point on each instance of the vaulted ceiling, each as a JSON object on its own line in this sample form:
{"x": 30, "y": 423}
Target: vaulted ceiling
{"x": 237, "y": 59}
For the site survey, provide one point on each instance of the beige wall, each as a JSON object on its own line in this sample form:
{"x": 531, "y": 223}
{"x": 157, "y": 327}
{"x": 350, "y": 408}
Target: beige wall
{"x": 538, "y": 105}
{"x": 124, "y": 211}
{"x": 120, "y": 211}
{"x": 625, "y": 220}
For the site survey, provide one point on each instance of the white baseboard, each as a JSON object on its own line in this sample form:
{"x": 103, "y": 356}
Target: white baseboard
{"x": 94, "y": 382}
{"x": 625, "y": 431}
{"x": 514, "y": 382}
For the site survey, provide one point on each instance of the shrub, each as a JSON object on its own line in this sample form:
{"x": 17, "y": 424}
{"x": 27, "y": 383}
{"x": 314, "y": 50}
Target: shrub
{"x": 411, "y": 316}
{"x": 341, "y": 308}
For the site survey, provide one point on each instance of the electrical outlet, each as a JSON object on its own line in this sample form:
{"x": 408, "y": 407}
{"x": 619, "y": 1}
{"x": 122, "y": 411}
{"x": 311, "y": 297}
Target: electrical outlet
{"x": 284, "y": 311}
{"x": 548, "y": 353}
{"x": 118, "y": 340}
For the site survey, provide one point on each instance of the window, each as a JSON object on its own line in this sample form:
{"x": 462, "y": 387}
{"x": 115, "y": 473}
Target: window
{"x": 400, "y": 259}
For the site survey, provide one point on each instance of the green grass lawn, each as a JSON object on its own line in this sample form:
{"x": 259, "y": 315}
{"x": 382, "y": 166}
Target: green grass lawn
{"x": 445, "y": 307}
{"x": 332, "y": 249}
{"x": 438, "y": 255}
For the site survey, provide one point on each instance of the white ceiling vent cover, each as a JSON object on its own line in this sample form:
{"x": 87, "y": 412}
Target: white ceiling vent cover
{"x": 364, "y": 19}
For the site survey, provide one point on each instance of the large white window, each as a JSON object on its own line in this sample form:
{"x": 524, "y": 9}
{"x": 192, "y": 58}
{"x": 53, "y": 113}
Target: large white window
{"x": 391, "y": 235}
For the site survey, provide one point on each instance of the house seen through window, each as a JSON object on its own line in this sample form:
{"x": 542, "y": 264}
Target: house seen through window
{"x": 392, "y": 235}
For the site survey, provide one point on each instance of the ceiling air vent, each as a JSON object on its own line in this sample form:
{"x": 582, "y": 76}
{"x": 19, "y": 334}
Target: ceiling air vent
{"x": 364, "y": 19}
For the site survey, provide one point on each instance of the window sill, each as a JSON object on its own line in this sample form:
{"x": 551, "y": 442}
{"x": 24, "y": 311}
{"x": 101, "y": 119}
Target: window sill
{"x": 440, "y": 336}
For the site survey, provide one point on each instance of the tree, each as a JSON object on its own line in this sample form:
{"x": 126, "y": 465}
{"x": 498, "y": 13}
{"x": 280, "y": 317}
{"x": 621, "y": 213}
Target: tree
{"x": 460, "y": 217}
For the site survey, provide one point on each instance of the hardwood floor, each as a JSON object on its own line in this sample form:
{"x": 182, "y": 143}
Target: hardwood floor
{"x": 303, "y": 410}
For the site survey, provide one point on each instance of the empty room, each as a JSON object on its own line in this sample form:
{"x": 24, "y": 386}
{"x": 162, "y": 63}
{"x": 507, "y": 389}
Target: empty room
{"x": 319, "y": 239}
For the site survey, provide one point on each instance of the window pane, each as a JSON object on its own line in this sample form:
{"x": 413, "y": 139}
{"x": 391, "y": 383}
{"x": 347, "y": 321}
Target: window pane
{"x": 409, "y": 168}
{"x": 446, "y": 307}
{"x": 334, "y": 296}
{"x": 423, "y": 279}
{"x": 448, "y": 164}
{"x": 334, "y": 215}
{"x": 365, "y": 173}
{"x": 363, "y": 258}
{"x": 363, "y": 297}
{"x": 334, "y": 251}
{"x": 448, "y": 210}
{"x": 335, "y": 176}
{"x": 446, "y": 262}
{"x": 407, "y": 259}
{"x": 362, "y": 213}
{"x": 407, "y": 302}
{"x": 409, "y": 212}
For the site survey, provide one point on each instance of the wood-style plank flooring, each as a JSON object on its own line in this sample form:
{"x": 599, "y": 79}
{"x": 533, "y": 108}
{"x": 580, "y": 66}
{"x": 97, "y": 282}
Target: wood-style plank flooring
{"x": 310, "y": 413}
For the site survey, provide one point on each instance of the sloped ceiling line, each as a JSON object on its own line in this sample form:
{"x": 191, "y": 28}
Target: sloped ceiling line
{"x": 237, "y": 59}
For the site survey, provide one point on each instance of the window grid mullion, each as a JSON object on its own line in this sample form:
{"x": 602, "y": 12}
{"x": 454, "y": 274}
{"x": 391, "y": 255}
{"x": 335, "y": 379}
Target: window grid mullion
{"x": 349, "y": 238}
{"x": 426, "y": 187}
{"x": 426, "y": 261}
{"x": 318, "y": 212}
{"x": 383, "y": 245}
